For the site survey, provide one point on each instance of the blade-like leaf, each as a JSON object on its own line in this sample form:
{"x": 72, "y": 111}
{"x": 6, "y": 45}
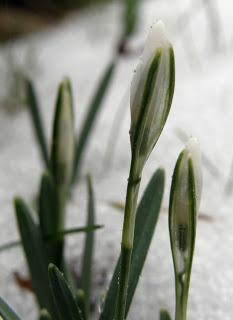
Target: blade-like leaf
{"x": 89, "y": 121}
{"x": 47, "y": 205}
{"x": 164, "y": 315}
{"x": 35, "y": 254}
{"x": 63, "y": 297}
{"x": 37, "y": 122}
{"x": 86, "y": 229}
{"x": 48, "y": 216}
{"x": 146, "y": 220}
{"x": 58, "y": 235}
{"x": 10, "y": 245}
{"x": 130, "y": 16}
{"x": 6, "y": 312}
{"x": 88, "y": 250}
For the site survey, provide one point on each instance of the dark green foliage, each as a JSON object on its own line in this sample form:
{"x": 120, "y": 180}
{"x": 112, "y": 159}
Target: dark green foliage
{"x": 35, "y": 254}
{"x": 63, "y": 298}
{"x": 48, "y": 216}
{"x": 93, "y": 110}
{"x": 37, "y": 123}
{"x": 87, "y": 261}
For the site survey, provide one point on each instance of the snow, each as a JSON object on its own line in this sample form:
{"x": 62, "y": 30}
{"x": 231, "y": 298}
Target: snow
{"x": 81, "y": 46}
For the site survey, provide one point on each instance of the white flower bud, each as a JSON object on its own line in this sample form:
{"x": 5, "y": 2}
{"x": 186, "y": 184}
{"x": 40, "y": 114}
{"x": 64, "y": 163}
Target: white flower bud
{"x": 184, "y": 205}
{"x": 152, "y": 91}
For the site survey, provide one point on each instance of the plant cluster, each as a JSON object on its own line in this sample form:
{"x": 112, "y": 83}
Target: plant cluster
{"x": 57, "y": 294}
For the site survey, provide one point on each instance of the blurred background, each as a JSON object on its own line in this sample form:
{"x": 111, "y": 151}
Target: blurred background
{"x": 47, "y": 40}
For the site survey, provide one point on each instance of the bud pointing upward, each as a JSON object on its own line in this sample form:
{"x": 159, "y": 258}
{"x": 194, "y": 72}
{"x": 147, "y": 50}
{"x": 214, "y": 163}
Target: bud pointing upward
{"x": 150, "y": 101}
{"x": 152, "y": 91}
{"x": 183, "y": 209}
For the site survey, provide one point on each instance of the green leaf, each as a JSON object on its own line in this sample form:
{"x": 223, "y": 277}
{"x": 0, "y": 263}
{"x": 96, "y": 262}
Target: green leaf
{"x": 89, "y": 121}
{"x": 44, "y": 315}
{"x": 146, "y": 220}
{"x": 35, "y": 254}
{"x": 164, "y": 315}
{"x": 87, "y": 260}
{"x": 10, "y": 245}
{"x": 63, "y": 297}
{"x": 47, "y": 205}
{"x": 6, "y": 312}
{"x": 37, "y": 122}
{"x": 71, "y": 231}
{"x": 130, "y": 16}
{"x": 58, "y": 235}
{"x": 48, "y": 216}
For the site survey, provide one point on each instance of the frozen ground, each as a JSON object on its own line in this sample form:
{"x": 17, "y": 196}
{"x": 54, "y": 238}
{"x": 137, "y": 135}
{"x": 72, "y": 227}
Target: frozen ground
{"x": 202, "y": 107}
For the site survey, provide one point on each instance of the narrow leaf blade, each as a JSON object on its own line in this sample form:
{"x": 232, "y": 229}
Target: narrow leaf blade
{"x": 130, "y": 16}
{"x": 37, "y": 122}
{"x": 35, "y": 254}
{"x": 88, "y": 249}
{"x": 61, "y": 234}
{"x": 10, "y": 245}
{"x": 146, "y": 220}
{"x": 63, "y": 297}
{"x": 93, "y": 110}
{"x": 6, "y": 312}
{"x": 48, "y": 216}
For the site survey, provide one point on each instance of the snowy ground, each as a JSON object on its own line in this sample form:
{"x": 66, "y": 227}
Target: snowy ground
{"x": 81, "y": 47}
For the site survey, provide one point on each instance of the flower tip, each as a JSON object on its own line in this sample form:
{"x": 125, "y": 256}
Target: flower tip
{"x": 194, "y": 151}
{"x": 193, "y": 145}
{"x": 158, "y": 34}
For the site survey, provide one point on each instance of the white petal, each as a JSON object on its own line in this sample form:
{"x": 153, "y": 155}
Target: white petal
{"x": 156, "y": 39}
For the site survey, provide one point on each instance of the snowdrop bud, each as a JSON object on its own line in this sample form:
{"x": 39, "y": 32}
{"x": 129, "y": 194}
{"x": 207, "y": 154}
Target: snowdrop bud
{"x": 184, "y": 204}
{"x": 152, "y": 91}
{"x": 63, "y": 136}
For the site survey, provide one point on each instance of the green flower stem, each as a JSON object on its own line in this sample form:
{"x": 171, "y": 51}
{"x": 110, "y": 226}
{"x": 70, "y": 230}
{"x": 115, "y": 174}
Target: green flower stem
{"x": 127, "y": 238}
{"x": 182, "y": 288}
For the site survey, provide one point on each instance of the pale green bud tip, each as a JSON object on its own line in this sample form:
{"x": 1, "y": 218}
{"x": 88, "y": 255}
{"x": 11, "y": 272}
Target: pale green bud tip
{"x": 63, "y": 135}
{"x": 152, "y": 91}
